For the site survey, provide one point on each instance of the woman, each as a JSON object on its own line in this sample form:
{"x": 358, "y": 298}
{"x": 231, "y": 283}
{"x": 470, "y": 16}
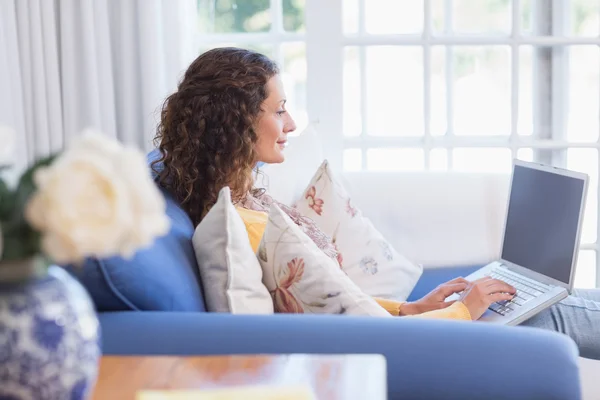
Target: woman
{"x": 229, "y": 114}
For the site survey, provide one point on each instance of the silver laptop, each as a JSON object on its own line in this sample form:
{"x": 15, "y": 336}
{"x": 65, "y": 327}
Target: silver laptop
{"x": 541, "y": 241}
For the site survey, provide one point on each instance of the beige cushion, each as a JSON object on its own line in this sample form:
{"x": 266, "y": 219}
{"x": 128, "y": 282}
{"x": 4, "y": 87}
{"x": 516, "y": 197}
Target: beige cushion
{"x": 231, "y": 275}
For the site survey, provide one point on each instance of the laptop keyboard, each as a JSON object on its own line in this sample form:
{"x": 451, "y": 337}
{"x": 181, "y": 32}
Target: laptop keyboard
{"x": 527, "y": 290}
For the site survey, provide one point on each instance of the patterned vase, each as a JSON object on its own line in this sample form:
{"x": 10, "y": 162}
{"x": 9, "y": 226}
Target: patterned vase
{"x": 49, "y": 341}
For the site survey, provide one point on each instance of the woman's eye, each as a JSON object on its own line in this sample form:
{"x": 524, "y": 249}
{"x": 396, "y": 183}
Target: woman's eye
{"x": 281, "y": 112}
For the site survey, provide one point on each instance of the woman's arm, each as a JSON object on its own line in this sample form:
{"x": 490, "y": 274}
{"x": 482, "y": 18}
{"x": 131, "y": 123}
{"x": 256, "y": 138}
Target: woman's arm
{"x": 456, "y": 311}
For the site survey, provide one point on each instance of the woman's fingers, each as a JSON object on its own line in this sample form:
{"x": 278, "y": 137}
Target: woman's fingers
{"x": 458, "y": 280}
{"x": 451, "y": 288}
{"x": 500, "y": 287}
{"x": 486, "y": 281}
{"x": 495, "y": 297}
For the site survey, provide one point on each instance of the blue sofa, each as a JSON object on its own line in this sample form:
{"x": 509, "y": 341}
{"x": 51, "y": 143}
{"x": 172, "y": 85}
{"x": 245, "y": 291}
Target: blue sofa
{"x": 153, "y": 305}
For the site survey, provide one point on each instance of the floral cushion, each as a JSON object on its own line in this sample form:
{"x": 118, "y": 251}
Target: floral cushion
{"x": 302, "y": 279}
{"x": 364, "y": 254}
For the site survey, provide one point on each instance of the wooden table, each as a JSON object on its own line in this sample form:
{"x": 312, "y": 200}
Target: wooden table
{"x": 329, "y": 377}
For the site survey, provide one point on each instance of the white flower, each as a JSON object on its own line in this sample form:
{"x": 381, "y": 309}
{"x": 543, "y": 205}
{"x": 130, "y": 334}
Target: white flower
{"x": 96, "y": 199}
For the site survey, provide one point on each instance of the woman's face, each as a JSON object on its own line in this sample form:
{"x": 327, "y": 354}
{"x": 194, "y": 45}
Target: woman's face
{"x": 273, "y": 124}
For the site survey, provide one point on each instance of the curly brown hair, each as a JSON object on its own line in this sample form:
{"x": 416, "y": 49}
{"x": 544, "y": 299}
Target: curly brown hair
{"x": 206, "y": 136}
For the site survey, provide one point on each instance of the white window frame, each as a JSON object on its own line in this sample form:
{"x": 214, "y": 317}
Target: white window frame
{"x": 276, "y": 36}
{"x": 325, "y": 42}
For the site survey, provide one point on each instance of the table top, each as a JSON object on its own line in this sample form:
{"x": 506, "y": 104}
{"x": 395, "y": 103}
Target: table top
{"x": 328, "y": 376}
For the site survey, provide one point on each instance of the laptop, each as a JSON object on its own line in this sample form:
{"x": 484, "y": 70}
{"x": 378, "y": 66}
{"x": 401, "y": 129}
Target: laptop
{"x": 541, "y": 240}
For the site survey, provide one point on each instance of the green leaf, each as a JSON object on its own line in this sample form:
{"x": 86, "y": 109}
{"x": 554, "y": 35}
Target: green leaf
{"x": 6, "y": 200}
{"x": 20, "y": 239}
{"x": 19, "y": 242}
{"x": 26, "y": 185}
{"x": 25, "y": 189}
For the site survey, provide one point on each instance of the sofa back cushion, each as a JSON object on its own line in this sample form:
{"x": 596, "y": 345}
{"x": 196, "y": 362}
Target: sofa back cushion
{"x": 163, "y": 277}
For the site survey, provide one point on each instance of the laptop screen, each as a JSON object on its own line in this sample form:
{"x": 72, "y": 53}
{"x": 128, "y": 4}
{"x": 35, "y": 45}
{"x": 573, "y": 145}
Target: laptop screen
{"x": 542, "y": 220}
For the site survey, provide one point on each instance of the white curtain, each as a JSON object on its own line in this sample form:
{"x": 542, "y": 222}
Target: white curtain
{"x": 67, "y": 65}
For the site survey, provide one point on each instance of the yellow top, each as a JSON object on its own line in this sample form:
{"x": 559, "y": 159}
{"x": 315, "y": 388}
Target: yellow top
{"x": 256, "y": 222}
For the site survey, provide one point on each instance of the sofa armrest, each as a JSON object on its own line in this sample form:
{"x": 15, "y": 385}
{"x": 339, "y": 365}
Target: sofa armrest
{"x": 426, "y": 359}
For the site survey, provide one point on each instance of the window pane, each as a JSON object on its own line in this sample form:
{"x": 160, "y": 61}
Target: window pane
{"x": 294, "y": 81}
{"x": 585, "y": 18}
{"x": 352, "y": 160}
{"x": 525, "y": 154}
{"x": 526, "y": 85}
{"x": 293, "y": 15}
{"x": 526, "y": 16}
{"x": 584, "y": 93}
{"x": 352, "y": 92}
{"x": 394, "y": 91}
{"x": 482, "y": 160}
{"x": 482, "y": 90}
{"x": 391, "y": 159}
{"x": 393, "y": 16}
{"x": 586, "y": 160}
{"x": 468, "y": 16}
{"x": 438, "y": 160}
{"x": 585, "y": 273}
{"x": 350, "y": 16}
{"x": 223, "y": 16}
{"x": 438, "y": 15}
{"x": 439, "y": 120}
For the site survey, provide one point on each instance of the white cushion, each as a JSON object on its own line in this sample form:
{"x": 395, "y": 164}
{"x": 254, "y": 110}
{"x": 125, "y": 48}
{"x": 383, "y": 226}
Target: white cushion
{"x": 231, "y": 275}
{"x": 366, "y": 256}
{"x": 437, "y": 219}
{"x": 302, "y": 279}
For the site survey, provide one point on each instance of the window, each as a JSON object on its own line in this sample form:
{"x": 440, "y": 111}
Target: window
{"x": 468, "y": 85}
{"x": 436, "y": 85}
{"x": 273, "y": 27}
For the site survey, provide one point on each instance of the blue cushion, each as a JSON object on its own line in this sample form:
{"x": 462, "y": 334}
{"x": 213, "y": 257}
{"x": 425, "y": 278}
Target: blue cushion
{"x": 163, "y": 277}
{"x": 158, "y": 167}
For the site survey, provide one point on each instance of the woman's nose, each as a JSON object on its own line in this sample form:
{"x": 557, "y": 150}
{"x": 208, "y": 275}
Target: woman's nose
{"x": 290, "y": 126}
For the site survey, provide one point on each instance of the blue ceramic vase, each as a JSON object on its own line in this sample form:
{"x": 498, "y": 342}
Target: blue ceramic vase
{"x": 49, "y": 335}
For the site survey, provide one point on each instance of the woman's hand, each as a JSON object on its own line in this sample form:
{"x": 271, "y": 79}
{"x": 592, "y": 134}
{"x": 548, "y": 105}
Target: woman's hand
{"x": 436, "y": 299}
{"x": 480, "y": 294}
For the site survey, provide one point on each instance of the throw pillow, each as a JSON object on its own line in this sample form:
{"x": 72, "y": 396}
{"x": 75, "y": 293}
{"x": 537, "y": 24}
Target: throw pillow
{"x": 302, "y": 279}
{"x": 230, "y": 273}
{"x": 364, "y": 254}
{"x": 162, "y": 277}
